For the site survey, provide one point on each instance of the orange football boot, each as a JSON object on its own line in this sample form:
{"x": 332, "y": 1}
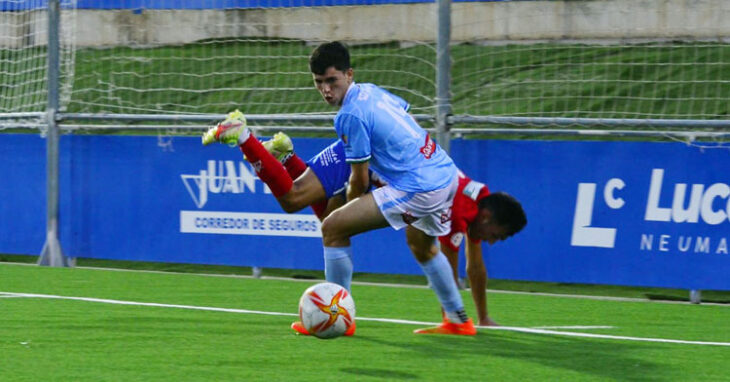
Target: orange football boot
{"x": 299, "y": 328}
{"x": 350, "y": 331}
{"x": 447, "y": 327}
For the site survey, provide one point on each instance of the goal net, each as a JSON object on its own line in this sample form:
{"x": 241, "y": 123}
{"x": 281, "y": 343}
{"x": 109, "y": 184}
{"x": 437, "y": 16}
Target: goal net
{"x": 617, "y": 60}
{"x": 200, "y": 61}
{"x": 24, "y": 58}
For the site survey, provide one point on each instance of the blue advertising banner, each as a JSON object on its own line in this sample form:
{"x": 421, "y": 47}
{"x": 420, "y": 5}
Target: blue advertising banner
{"x": 135, "y": 199}
{"x": 625, "y": 213}
{"x": 22, "y": 194}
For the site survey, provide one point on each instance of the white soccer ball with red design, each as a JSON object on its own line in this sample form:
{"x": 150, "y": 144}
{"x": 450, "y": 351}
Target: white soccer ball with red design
{"x": 327, "y": 310}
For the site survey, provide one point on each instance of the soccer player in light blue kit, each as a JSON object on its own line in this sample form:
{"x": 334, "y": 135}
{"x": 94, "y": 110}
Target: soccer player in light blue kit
{"x": 378, "y": 135}
{"x": 421, "y": 181}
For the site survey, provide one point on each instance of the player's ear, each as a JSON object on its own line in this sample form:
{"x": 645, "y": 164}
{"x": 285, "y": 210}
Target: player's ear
{"x": 349, "y": 74}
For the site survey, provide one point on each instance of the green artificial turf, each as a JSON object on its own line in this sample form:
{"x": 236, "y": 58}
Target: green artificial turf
{"x": 71, "y": 340}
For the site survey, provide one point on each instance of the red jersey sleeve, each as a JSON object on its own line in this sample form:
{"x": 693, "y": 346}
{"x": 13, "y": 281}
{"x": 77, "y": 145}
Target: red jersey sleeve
{"x": 464, "y": 211}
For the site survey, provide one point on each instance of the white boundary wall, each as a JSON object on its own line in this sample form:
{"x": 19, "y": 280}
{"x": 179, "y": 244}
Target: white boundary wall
{"x": 483, "y": 21}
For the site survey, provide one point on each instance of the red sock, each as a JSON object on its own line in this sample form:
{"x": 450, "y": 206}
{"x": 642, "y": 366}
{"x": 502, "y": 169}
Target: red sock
{"x": 268, "y": 168}
{"x": 295, "y": 166}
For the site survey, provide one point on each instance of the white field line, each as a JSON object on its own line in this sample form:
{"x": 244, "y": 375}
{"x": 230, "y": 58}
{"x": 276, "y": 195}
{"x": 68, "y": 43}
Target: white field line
{"x": 575, "y": 327}
{"x": 396, "y": 321}
{"x": 391, "y": 285}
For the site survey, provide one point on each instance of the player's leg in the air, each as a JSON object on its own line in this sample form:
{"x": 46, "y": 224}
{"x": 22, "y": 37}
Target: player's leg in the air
{"x": 292, "y": 195}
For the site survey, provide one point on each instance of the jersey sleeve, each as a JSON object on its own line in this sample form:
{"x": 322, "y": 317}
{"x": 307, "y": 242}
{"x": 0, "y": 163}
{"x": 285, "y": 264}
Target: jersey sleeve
{"x": 452, "y": 240}
{"x": 355, "y": 135}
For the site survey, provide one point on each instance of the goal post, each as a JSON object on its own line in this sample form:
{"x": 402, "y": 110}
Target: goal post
{"x": 52, "y": 253}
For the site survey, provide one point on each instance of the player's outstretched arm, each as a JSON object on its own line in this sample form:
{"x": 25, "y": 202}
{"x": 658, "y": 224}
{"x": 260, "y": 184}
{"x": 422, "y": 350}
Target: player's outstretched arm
{"x": 477, "y": 273}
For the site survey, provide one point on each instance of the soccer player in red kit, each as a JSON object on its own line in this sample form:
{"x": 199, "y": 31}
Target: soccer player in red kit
{"x": 478, "y": 215}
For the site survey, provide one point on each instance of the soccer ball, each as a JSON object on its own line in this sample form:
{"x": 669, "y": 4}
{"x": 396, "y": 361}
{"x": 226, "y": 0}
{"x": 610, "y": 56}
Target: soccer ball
{"x": 327, "y": 310}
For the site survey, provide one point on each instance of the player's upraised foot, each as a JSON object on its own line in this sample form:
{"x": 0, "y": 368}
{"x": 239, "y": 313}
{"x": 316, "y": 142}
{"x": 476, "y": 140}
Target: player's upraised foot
{"x": 232, "y": 131}
{"x": 280, "y": 146}
{"x": 299, "y": 328}
{"x": 448, "y": 327}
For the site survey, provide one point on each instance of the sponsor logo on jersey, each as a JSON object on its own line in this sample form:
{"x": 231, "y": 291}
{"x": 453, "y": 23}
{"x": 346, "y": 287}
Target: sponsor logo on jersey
{"x": 456, "y": 239}
{"x": 472, "y": 189}
{"x": 429, "y": 147}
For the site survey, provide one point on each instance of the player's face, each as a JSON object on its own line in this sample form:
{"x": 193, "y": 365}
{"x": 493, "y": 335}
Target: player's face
{"x": 486, "y": 229}
{"x": 333, "y": 84}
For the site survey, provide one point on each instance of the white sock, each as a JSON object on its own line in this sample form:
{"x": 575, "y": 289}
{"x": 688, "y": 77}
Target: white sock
{"x": 338, "y": 265}
{"x": 438, "y": 271}
{"x": 458, "y": 317}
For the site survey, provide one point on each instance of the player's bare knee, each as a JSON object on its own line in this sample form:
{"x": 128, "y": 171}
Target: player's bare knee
{"x": 290, "y": 204}
{"x": 422, "y": 257}
{"x": 289, "y": 207}
{"x": 332, "y": 236}
{"x": 421, "y": 253}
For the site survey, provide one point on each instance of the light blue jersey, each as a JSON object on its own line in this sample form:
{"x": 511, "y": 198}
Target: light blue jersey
{"x": 375, "y": 126}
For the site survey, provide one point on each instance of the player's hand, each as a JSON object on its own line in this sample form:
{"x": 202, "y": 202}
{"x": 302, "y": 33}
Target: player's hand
{"x": 487, "y": 322}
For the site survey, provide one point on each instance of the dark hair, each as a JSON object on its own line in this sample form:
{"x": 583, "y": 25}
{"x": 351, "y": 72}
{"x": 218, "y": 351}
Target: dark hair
{"x": 329, "y": 54}
{"x": 506, "y": 211}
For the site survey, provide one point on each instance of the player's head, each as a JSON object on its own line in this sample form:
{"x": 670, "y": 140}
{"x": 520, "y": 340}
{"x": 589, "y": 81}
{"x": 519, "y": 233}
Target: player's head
{"x": 330, "y": 67}
{"x": 500, "y": 216}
